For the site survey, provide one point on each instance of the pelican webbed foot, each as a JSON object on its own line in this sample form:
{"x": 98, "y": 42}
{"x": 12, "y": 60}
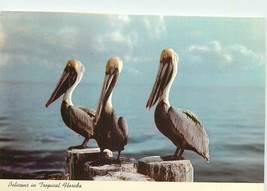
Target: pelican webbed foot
{"x": 82, "y": 146}
{"x": 176, "y": 156}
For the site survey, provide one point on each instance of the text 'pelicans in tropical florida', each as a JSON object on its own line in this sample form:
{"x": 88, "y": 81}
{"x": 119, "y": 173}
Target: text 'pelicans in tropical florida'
{"x": 79, "y": 119}
{"x": 181, "y": 126}
{"x": 111, "y": 131}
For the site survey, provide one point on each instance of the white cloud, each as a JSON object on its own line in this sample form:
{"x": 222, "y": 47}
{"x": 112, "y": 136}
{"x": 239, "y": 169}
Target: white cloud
{"x": 114, "y": 43}
{"x": 53, "y": 38}
{"x": 119, "y": 20}
{"x": 155, "y": 26}
{"x": 244, "y": 51}
{"x": 114, "y": 40}
{"x": 63, "y": 36}
{"x": 236, "y": 55}
{"x": 49, "y": 39}
{"x": 213, "y": 49}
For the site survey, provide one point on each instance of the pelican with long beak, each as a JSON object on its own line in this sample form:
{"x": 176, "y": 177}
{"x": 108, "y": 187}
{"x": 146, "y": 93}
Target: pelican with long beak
{"x": 111, "y": 131}
{"x": 181, "y": 126}
{"x": 79, "y": 119}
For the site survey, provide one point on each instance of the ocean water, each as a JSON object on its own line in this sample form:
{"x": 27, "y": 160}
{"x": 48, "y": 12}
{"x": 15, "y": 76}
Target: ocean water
{"x": 34, "y": 138}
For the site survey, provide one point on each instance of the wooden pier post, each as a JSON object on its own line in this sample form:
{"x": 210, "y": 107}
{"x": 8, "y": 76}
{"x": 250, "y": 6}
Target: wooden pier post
{"x": 79, "y": 165}
{"x": 123, "y": 176}
{"x": 76, "y": 158}
{"x": 171, "y": 171}
{"x": 126, "y": 165}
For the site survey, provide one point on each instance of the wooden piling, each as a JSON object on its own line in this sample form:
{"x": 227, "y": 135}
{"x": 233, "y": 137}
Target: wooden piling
{"x": 76, "y": 158}
{"x": 171, "y": 171}
{"x": 123, "y": 176}
{"x": 80, "y": 165}
{"x": 126, "y": 165}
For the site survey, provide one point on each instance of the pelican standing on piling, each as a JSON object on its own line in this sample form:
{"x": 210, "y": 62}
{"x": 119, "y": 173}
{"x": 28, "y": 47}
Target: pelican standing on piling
{"x": 111, "y": 131}
{"x": 181, "y": 126}
{"x": 79, "y": 119}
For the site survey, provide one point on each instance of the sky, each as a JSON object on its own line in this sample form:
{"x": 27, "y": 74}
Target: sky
{"x": 213, "y": 51}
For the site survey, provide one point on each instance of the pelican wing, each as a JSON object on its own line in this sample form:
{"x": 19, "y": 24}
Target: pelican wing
{"x": 82, "y": 119}
{"x": 124, "y": 127}
{"x": 90, "y": 112}
{"x": 191, "y": 129}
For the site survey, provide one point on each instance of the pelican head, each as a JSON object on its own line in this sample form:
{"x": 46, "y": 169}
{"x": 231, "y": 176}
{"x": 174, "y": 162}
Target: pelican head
{"x": 113, "y": 69}
{"x": 167, "y": 71}
{"x": 70, "y": 77}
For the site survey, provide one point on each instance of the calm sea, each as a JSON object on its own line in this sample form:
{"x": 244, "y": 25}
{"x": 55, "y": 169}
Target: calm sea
{"x": 34, "y": 138}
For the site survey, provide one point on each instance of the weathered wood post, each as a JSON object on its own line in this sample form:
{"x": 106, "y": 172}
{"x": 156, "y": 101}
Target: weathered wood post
{"x": 79, "y": 164}
{"x": 76, "y": 158}
{"x": 171, "y": 171}
{"x": 126, "y": 165}
{"x": 123, "y": 176}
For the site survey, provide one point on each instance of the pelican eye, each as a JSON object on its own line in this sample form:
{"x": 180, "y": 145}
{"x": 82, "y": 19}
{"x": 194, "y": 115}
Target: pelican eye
{"x": 166, "y": 59}
{"x": 111, "y": 70}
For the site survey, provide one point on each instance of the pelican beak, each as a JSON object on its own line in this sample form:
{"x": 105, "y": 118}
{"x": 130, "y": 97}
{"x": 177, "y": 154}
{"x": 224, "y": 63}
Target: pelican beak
{"x": 164, "y": 75}
{"x": 67, "y": 79}
{"x": 109, "y": 82}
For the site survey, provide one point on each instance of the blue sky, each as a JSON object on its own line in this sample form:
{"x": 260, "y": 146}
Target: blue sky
{"x": 213, "y": 51}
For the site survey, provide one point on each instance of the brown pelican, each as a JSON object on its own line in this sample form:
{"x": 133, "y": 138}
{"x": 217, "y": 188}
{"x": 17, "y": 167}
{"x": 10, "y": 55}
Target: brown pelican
{"x": 111, "y": 131}
{"x": 181, "y": 126}
{"x": 79, "y": 119}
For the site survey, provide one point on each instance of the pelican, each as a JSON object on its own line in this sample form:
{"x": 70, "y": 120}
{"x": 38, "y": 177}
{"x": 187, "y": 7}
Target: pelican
{"x": 79, "y": 119}
{"x": 111, "y": 131}
{"x": 181, "y": 126}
